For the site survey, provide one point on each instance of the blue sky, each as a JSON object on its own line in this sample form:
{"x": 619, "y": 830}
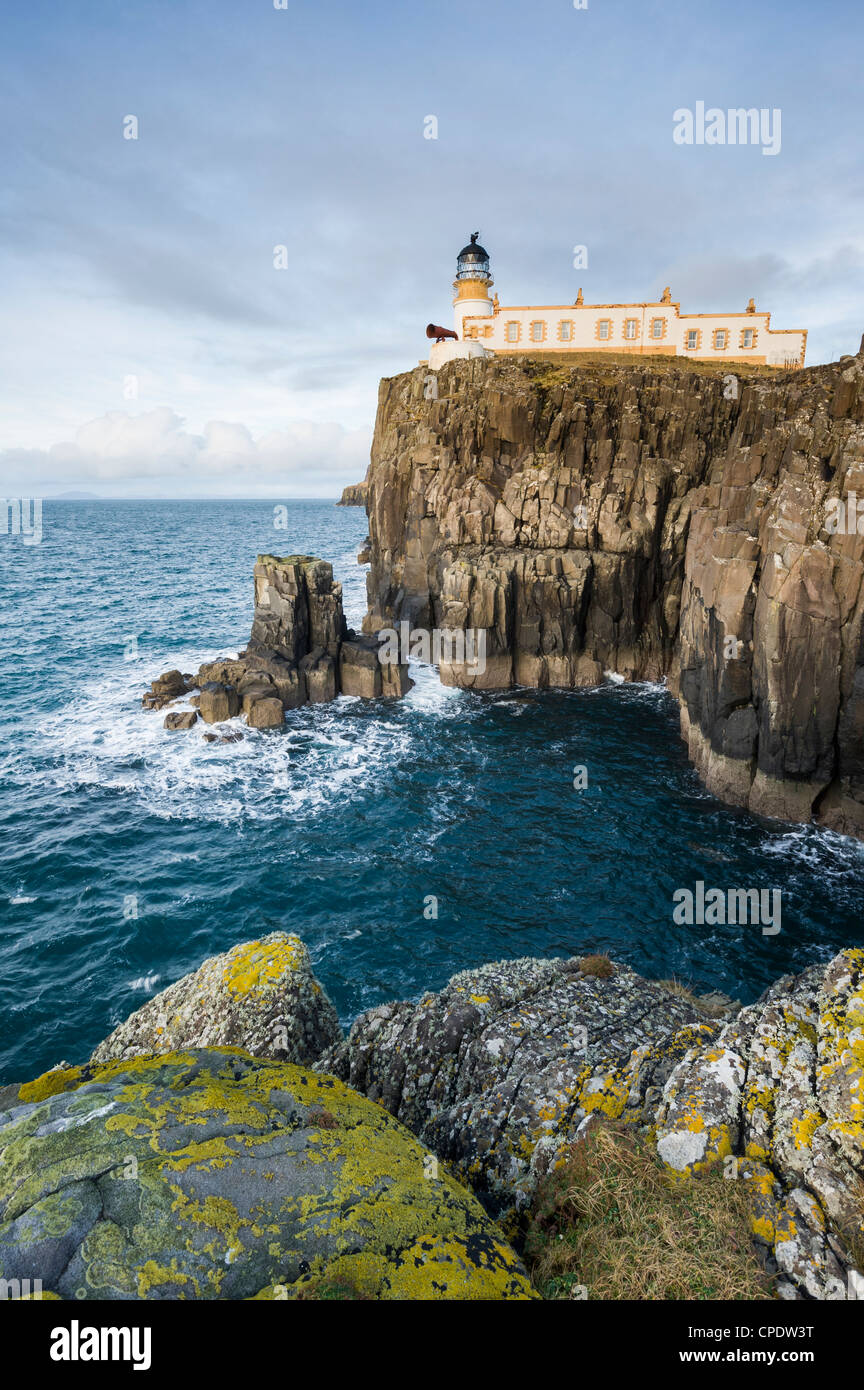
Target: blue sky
{"x": 152, "y": 259}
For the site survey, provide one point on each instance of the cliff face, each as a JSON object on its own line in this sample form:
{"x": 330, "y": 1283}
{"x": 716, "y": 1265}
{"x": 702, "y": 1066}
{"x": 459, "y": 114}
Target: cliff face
{"x": 354, "y": 495}
{"x": 654, "y": 521}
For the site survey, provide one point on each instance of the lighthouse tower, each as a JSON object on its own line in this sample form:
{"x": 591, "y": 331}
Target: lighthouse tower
{"x": 472, "y": 284}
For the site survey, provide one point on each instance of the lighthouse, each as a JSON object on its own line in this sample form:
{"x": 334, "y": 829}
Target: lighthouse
{"x": 472, "y": 284}
{"x": 472, "y": 302}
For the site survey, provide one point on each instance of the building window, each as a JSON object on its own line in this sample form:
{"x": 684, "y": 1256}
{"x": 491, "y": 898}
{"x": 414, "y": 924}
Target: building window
{"x": 565, "y": 330}
{"x": 693, "y": 336}
{"x": 748, "y": 339}
{"x": 631, "y": 327}
{"x": 514, "y": 331}
{"x": 658, "y": 328}
{"x": 604, "y": 328}
{"x": 538, "y": 331}
{"x": 720, "y": 339}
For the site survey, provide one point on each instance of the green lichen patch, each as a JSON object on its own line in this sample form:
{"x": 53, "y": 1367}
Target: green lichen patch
{"x": 214, "y": 1174}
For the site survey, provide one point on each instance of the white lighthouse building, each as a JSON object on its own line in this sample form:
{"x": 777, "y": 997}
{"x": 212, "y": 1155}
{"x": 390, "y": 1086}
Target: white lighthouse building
{"x": 654, "y": 328}
{"x": 472, "y": 285}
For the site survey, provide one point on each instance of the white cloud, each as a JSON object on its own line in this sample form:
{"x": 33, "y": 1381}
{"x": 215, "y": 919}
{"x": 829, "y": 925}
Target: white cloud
{"x": 120, "y": 449}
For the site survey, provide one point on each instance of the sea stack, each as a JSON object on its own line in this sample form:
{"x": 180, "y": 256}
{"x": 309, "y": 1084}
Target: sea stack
{"x": 300, "y": 651}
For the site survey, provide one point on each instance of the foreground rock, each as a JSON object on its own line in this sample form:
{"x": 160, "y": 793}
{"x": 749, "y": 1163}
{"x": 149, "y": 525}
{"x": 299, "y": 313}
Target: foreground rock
{"x": 498, "y": 1071}
{"x": 655, "y": 521}
{"x": 153, "y": 1171}
{"x": 206, "y": 1175}
{"x": 298, "y": 649}
{"x": 260, "y": 996}
{"x": 779, "y": 1095}
{"x": 511, "y": 1062}
{"x": 181, "y": 719}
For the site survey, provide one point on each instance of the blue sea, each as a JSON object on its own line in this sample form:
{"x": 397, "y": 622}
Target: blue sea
{"x": 131, "y": 853}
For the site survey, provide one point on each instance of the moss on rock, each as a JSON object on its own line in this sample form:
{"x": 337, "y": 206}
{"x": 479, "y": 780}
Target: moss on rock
{"x": 260, "y": 996}
{"x": 209, "y": 1175}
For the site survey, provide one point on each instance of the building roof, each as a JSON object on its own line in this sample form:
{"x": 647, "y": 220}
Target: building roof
{"x": 473, "y": 251}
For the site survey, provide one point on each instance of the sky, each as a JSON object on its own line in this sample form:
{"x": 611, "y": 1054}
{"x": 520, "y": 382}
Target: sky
{"x": 149, "y": 346}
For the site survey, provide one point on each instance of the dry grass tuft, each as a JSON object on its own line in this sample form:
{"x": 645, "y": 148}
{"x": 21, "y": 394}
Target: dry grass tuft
{"x": 600, "y": 967}
{"x": 682, "y": 991}
{"x": 610, "y": 1218}
{"x": 851, "y": 1232}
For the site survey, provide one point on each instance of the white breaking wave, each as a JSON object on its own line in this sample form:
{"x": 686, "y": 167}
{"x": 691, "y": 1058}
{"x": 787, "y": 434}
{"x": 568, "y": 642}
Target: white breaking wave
{"x": 146, "y": 982}
{"x": 324, "y": 754}
{"x": 428, "y": 694}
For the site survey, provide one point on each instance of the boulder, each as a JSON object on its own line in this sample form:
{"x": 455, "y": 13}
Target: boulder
{"x": 217, "y": 1175}
{"x": 171, "y": 685}
{"x": 181, "y": 719}
{"x": 498, "y": 1071}
{"x": 265, "y": 712}
{"x": 261, "y": 996}
{"x": 257, "y": 690}
{"x": 360, "y": 669}
{"x": 218, "y": 702}
{"x": 226, "y": 672}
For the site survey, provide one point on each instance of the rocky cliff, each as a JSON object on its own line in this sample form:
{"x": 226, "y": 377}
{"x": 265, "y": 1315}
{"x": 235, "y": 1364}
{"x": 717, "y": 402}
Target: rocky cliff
{"x": 354, "y": 495}
{"x": 656, "y": 521}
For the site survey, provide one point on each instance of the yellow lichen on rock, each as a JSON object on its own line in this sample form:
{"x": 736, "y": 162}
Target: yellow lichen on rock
{"x": 259, "y": 966}
{"x": 260, "y": 996}
{"x": 221, "y": 1175}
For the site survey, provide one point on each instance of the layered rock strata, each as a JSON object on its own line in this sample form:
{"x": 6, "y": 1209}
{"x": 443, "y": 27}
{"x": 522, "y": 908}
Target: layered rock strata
{"x": 298, "y": 650}
{"x": 655, "y": 521}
